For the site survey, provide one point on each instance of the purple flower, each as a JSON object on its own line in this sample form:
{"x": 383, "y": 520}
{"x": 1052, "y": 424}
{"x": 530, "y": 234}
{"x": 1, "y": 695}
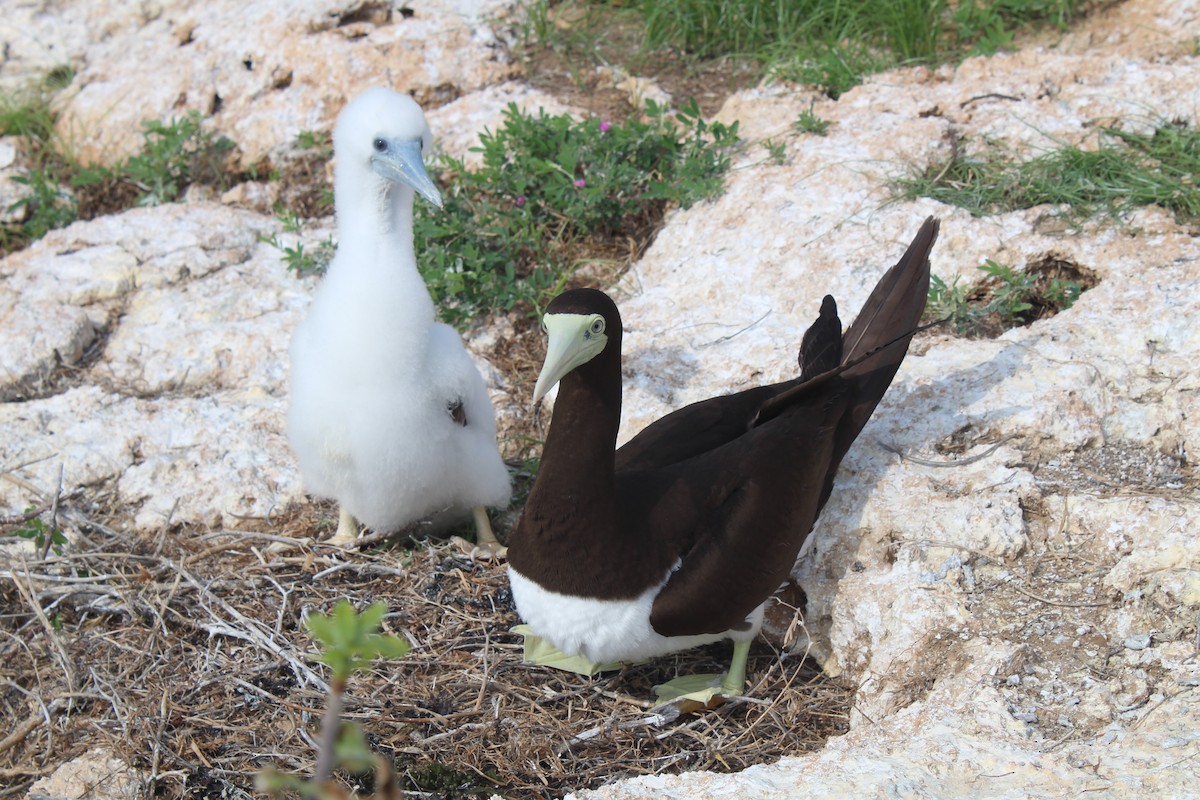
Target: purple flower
{"x": 520, "y": 201}
{"x": 580, "y": 183}
{"x": 604, "y": 126}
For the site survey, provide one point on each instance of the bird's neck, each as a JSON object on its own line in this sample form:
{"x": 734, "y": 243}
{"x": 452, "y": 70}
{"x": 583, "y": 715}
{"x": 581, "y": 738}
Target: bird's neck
{"x": 576, "y": 481}
{"x": 376, "y": 264}
{"x": 583, "y": 432}
{"x": 380, "y": 217}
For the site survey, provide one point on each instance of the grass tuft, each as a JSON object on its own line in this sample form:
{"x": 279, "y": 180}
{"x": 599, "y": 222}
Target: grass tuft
{"x": 809, "y": 122}
{"x": 1126, "y": 170}
{"x": 834, "y": 43}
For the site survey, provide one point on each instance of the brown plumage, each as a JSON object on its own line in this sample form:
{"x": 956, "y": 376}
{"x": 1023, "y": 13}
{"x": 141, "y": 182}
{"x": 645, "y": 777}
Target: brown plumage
{"x": 712, "y": 502}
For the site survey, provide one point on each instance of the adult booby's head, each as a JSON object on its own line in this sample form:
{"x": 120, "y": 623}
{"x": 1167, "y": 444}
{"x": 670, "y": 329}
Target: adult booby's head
{"x": 581, "y": 324}
{"x": 380, "y": 139}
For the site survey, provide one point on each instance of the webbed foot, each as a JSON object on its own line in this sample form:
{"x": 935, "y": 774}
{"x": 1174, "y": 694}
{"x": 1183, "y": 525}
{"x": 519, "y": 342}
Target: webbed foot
{"x": 540, "y": 651}
{"x": 347, "y": 529}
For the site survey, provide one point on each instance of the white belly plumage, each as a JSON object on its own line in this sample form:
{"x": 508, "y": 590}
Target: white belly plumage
{"x": 606, "y": 630}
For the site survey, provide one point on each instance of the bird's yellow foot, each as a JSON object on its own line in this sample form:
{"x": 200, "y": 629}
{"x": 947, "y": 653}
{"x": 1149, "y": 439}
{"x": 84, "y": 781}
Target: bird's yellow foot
{"x": 347, "y": 530}
{"x": 487, "y": 546}
{"x": 691, "y": 692}
{"x": 541, "y": 652}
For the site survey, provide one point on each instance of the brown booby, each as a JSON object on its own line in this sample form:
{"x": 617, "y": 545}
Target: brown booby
{"x": 680, "y": 537}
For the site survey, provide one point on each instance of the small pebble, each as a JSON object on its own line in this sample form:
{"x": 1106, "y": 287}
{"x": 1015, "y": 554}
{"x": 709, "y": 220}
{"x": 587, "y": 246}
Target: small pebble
{"x": 1014, "y": 680}
{"x": 1139, "y": 641}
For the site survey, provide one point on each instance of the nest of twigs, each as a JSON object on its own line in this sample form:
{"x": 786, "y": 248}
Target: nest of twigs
{"x": 186, "y": 656}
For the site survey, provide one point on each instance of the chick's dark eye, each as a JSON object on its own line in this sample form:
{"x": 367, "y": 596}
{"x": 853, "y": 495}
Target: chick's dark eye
{"x": 380, "y": 145}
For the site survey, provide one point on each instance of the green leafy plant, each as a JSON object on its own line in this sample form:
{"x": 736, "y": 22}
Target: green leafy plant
{"x": 27, "y": 115}
{"x": 548, "y": 186}
{"x": 1012, "y": 292}
{"x": 317, "y": 141}
{"x": 48, "y": 205}
{"x": 174, "y": 155}
{"x": 45, "y": 537}
{"x": 1003, "y": 299}
{"x": 776, "y": 151}
{"x": 948, "y": 301}
{"x": 809, "y": 122}
{"x": 349, "y": 642}
{"x": 300, "y": 261}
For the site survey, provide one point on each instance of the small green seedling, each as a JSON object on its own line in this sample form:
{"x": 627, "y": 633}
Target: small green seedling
{"x": 948, "y": 301}
{"x": 299, "y": 261}
{"x": 44, "y": 536}
{"x": 349, "y": 642}
{"x": 809, "y": 122}
{"x": 1012, "y": 292}
{"x": 776, "y": 151}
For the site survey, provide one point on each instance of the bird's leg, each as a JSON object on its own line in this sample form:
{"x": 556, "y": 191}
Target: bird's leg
{"x": 347, "y": 529}
{"x": 486, "y": 544}
{"x": 694, "y": 691}
{"x": 735, "y": 679}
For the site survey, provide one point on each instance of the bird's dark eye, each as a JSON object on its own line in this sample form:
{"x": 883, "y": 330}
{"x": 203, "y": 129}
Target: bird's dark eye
{"x": 380, "y": 145}
{"x": 597, "y": 325}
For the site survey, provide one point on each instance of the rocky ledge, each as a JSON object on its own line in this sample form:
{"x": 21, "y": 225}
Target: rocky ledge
{"x": 1008, "y": 569}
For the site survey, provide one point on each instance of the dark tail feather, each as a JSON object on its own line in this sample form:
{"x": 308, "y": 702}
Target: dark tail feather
{"x": 821, "y": 348}
{"x": 894, "y": 307}
{"x": 874, "y": 344}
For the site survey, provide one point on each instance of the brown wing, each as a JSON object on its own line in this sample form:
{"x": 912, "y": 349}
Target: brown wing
{"x": 704, "y": 426}
{"x": 765, "y": 515}
{"x": 782, "y": 470}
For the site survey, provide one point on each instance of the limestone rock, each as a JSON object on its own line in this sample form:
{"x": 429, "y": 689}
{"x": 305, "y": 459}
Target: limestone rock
{"x": 96, "y": 775}
{"x": 182, "y": 408}
{"x": 266, "y": 72}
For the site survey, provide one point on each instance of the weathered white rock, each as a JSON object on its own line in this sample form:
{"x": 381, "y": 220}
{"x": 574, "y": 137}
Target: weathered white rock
{"x": 959, "y": 741}
{"x": 1020, "y": 620}
{"x": 265, "y": 71}
{"x": 183, "y": 409}
{"x": 98, "y": 774}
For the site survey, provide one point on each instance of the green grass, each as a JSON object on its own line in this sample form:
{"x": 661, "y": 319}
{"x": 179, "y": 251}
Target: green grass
{"x": 834, "y": 43}
{"x": 1124, "y": 171}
